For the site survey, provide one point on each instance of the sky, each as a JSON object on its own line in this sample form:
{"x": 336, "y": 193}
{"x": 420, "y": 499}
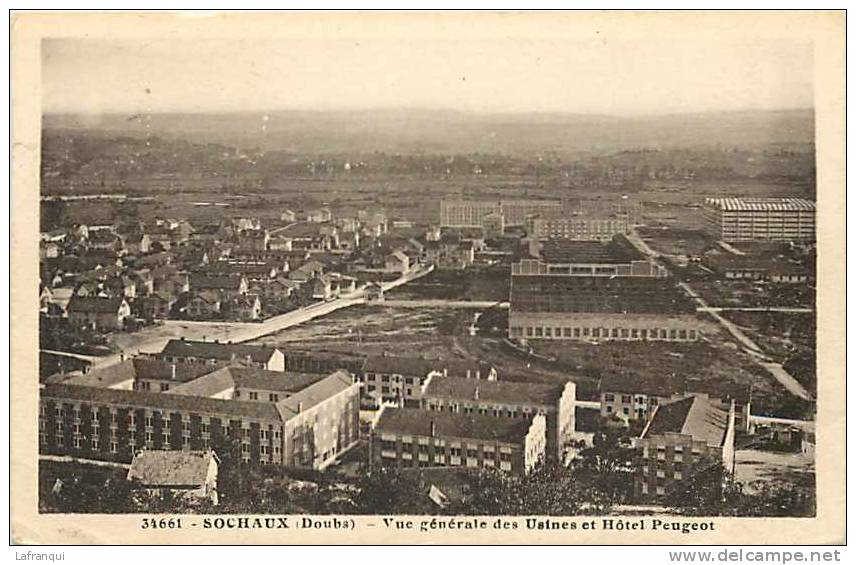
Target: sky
{"x": 625, "y": 78}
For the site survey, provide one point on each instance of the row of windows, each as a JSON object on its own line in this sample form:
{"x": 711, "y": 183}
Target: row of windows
{"x": 471, "y": 452}
{"x": 496, "y": 411}
{"x": 606, "y": 333}
{"x": 442, "y": 461}
{"x": 149, "y": 421}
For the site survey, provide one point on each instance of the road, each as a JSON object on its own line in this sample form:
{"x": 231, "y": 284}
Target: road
{"x": 439, "y": 303}
{"x": 785, "y": 379}
{"x": 785, "y": 309}
{"x": 775, "y": 369}
{"x": 237, "y": 332}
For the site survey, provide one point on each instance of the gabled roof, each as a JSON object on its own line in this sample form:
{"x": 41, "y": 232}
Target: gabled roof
{"x": 315, "y": 393}
{"x": 216, "y": 350}
{"x": 695, "y": 416}
{"x": 171, "y": 468}
{"x": 95, "y": 304}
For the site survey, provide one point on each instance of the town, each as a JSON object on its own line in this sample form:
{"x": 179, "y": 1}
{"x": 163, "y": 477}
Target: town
{"x": 612, "y": 352}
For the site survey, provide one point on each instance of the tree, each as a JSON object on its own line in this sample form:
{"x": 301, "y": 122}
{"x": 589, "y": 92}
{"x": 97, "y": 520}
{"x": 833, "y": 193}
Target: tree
{"x": 606, "y": 469}
{"x": 388, "y": 490}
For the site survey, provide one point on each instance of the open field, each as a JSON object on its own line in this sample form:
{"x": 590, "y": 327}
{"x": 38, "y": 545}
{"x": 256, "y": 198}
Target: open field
{"x": 435, "y": 333}
{"x": 748, "y": 294}
{"x": 778, "y": 333}
{"x": 675, "y": 241}
{"x": 482, "y": 284}
{"x": 716, "y": 360}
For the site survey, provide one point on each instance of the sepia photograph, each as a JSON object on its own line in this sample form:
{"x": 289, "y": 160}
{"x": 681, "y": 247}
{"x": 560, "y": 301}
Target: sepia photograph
{"x": 322, "y": 271}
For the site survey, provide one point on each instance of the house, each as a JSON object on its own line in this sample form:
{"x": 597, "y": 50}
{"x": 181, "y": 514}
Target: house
{"x": 682, "y": 438}
{"x": 154, "y": 306}
{"x": 227, "y": 285}
{"x": 254, "y": 240}
{"x": 48, "y": 250}
{"x": 203, "y": 306}
{"x": 374, "y": 291}
{"x": 319, "y": 215}
{"x": 45, "y": 298}
{"x": 98, "y": 312}
{"x": 188, "y": 351}
{"x": 191, "y": 475}
{"x": 397, "y": 262}
{"x": 280, "y": 243}
{"x": 138, "y": 243}
{"x": 322, "y": 287}
{"x": 412, "y": 438}
{"x": 143, "y": 280}
{"x": 349, "y": 240}
{"x": 288, "y": 216}
{"x": 104, "y": 240}
{"x": 247, "y": 307}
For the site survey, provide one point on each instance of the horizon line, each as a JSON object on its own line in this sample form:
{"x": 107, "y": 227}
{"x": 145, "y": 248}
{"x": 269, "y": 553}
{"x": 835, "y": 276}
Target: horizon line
{"x": 87, "y": 113}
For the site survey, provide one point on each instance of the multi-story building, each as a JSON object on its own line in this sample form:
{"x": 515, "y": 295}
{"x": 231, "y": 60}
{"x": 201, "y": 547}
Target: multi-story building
{"x": 592, "y": 291}
{"x": 614, "y": 258}
{"x": 473, "y": 213}
{"x": 635, "y": 397}
{"x": 683, "y": 438}
{"x": 402, "y": 380}
{"x": 213, "y": 352}
{"x": 409, "y": 437}
{"x": 508, "y": 399}
{"x": 764, "y": 219}
{"x": 579, "y": 228}
{"x": 308, "y": 424}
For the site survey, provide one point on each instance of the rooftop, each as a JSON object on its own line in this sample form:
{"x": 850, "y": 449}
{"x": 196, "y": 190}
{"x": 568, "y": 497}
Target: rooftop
{"x": 617, "y": 251}
{"x": 417, "y": 422}
{"x": 761, "y": 204}
{"x": 216, "y": 350}
{"x": 96, "y": 304}
{"x": 495, "y": 391}
{"x": 140, "y": 368}
{"x": 161, "y": 401}
{"x": 315, "y": 393}
{"x": 171, "y": 468}
{"x": 695, "y": 416}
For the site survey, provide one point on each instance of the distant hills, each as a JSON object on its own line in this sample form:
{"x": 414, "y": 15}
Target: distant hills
{"x": 452, "y": 132}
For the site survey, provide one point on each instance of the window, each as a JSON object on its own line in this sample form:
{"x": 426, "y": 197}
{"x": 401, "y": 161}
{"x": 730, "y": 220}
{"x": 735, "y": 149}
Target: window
{"x": 254, "y": 396}
{"x": 273, "y": 397}
{"x": 164, "y": 387}
{"x": 609, "y": 397}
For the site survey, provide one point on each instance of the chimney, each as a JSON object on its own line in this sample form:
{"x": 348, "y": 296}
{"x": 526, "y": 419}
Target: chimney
{"x": 476, "y": 394}
{"x": 299, "y": 407}
{"x": 433, "y": 429}
{"x": 173, "y": 371}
